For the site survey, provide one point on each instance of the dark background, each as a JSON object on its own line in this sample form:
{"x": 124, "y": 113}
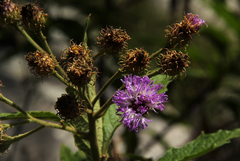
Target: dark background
{"x": 207, "y": 99}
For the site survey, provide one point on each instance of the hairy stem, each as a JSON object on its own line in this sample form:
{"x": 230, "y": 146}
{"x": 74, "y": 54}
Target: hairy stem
{"x": 93, "y": 138}
{"x": 109, "y": 82}
{"x": 30, "y": 40}
{"x": 43, "y": 39}
{"x": 9, "y": 102}
{"x": 105, "y": 107}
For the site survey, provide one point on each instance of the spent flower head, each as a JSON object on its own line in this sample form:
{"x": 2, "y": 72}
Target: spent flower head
{"x": 33, "y": 16}
{"x": 9, "y": 12}
{"x": 181, "y": 33}
{"x": 78, "y": 64}
{"x": 173, "y": 63}
{"x": 68, "y": 107}
{"x": 112, "y": 41}
{"x": 135, "y": 61}
{"x": 40, "y": 63}
{"x": 139, "y": 97}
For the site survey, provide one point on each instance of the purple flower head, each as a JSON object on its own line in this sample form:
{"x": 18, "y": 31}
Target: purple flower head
{"x": 139, "y": 97}
{"x": 195, "y": 21}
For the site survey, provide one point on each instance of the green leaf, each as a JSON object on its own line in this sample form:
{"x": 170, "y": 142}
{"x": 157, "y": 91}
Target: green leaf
{"x": 110, "y": 124}
{"x": 164, "y": 80}
{"x": 85, "y": 31}
{"x": 67, "y": 155}
{"x": 45, "y": 115}
{"x": 200, "y": 146}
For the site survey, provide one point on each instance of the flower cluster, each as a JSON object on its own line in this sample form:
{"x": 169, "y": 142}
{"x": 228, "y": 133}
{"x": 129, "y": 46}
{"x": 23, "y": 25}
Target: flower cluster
{"x": 140, "y": 97}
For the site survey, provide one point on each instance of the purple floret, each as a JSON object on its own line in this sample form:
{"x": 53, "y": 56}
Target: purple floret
{"x": 195, "y": 21}
{"x": 139, "y": 97}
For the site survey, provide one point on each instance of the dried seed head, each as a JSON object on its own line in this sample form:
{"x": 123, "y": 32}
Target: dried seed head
{"x": 135, "y": 61}
{"x": 181, "y": 34}
{"x": 33, "y": 17}
{"x": 173, "y": 63}
{"x": 9, "y": 12}
{"x": 40, "y": 63}
{"x": 112, "y": 41}
{"x": 78, "y": 64}
{"x": 68, "y": 107}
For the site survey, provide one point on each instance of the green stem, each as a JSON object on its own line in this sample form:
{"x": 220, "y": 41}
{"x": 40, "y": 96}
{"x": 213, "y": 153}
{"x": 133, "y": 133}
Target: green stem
{"x": 97, "y": 55}
{"x": 59, "y": 126}
{"x": 25, "y": 34}
{"x": 21, "y": 136}
{"x": 115, "y": 76}
{"x": 156, "y": 53}
{"x": 48, "y": 49}
{"x": 59, "y": 77}
{"x": 93, "y": 138}
{"x": 154, "y": 73}
{"x": 12, "y": 125}
{"x": 105, "y": 107}
{"x": 9, "y": 102}
{"x": 41, "y": 122}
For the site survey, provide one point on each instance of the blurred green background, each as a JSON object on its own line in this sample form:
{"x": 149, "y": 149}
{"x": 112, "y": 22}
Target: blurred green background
{"x": 207, "y": 99}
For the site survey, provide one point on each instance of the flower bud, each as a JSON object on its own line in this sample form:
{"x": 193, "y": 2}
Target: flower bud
{"x": 9, "y": 12}
{"x": 181, "y": 34}
{"x": 112, "y": 41}
{"x": 33, "y": 17}
{"x": 40, "y": 63}
{"x": 78, "y": 64}
{"x": 173, "y": 63}
{"x": 135, "y": 61}
{"x": 68, "y": 107}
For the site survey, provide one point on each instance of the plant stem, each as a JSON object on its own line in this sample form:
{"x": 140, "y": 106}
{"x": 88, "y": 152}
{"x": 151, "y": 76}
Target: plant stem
{"x": 12, "y": 125}
{"x": 105, "y": 107}
{"x": 48, "y": 49}
{"x": 25, "y": 34}
{"x": 9, "y": 102}
{"x": 59, "y": 77}
{"x": 156, "y": 53}
{"x": 115, "y": 76}
{"x": 155, "y": 72}
{"x": 21, "y": 136}
{"x": 93, "y": 138}
{"x": 97, "y": 55}
{"x": 59, "y": 126}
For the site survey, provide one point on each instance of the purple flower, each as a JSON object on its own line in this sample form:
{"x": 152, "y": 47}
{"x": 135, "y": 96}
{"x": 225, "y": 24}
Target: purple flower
{"x": 195, "y": 20}
{"x": 139, "y": 97}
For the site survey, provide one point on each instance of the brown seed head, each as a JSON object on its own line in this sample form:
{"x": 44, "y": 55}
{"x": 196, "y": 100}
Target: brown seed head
{"x": 40, "y": 63}
{"x": 173, "y": 63}
{"x": 33, "y": 17}
{"x": 112, "y": 41}
{"x": 68, "y": 107}
{"x": 181, "y": 33}
{"x": 78, "y": 64}
{"x": 9, "y": 12}
{"x": 135, "y": 61}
